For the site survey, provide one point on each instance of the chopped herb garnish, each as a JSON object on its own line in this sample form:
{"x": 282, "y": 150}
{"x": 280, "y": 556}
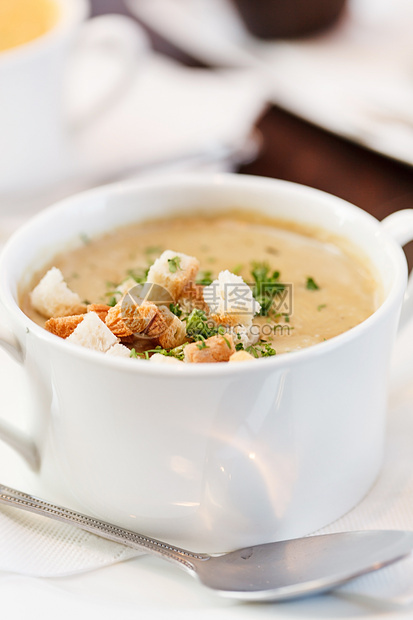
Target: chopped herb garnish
{"x": 153, "y": 249}
{"x": 175, "y": 309}
{"x": 261, "y": 349}
{"x": 267, "y": 286}
{"x": 174, "y": 264}
{"x": 201, "y": 345}
{"x": 239, "y": 346}
{"x": 252, "y": 350}
{"x": 198, "y": 326}
{"x": 311, "y": 284}
{"x": 286, "y": 318}
{"x": 139, "y": 274}
{"x": 321, "y": 306}
{"x": 228, "y": 342}
{"x": 237, "y": 269}
{"x": 112, "y": 302}
{"x": 177, "y": 352}
{"x": 133, "y": 353}
{"x": 204, "y": 278}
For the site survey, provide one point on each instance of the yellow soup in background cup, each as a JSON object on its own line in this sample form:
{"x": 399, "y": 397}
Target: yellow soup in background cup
{"x": 22, "y": 21}
{"x": 36, "y": 41}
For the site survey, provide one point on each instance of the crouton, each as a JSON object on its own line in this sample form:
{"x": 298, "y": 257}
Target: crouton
{"x": 174, "y": 335}
{"x": 173, "y": 271}
{"x": 118, "y": 350}
{"x": 128, "y": 318}
{"x": 160, "y": 323}
{"x": 230, "y": 300}
{"x": 241, "y": 356}
{"x": 158, "y": 358}
{"x": 53, "y": 298}
{"x": 100, "y": 309}
{"x": 214, "y": 349}
{"x": 192, "y": 297}
{"x": 228, "y": 320}
{"x": 92, "y": 333}
{"x": 63, "y": 326}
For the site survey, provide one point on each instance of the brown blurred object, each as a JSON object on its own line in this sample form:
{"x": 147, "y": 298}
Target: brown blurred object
{"x": 298, "y": 151}
{"x": 270, "y": 19}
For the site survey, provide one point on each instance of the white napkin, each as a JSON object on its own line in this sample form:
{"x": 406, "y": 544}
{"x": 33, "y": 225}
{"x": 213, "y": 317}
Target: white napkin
{"x": 354, "y": 79}
{"x": 34, "y": 545}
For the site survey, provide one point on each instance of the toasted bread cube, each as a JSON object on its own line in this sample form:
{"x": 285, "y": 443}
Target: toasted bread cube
{"x": 174, "y": 335}
{"x": 230, "y": 300}
{"x": 118, "y": 350}
{"x": 52, "y": 297}
{"x": 158, "y": 358}
{"x": 128, "y": 317}
{"x": 228, "y": 320}
{"x": 192, "y": 297}
{"x": 63, "y": 326}
{"x": 161, "y": 322}
{"x": 92, "y": 333}
{"x": 214, "y": 349}
{"x": 173, "y": 271}
{"x": 100, "y": 309}
{"x": 241, "y": 356}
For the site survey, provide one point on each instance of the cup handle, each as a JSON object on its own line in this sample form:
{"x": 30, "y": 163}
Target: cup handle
{"x": 118, "y": 38}
{"x": 16, "y": 439}
{"x": 399, "y": 225}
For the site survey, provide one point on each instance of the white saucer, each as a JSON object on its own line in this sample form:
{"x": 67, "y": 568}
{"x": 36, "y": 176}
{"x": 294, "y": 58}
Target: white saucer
{"x": 354, "y": 80}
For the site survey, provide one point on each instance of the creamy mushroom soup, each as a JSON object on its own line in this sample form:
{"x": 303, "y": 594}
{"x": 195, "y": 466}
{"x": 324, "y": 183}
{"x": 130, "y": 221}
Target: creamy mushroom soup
{"x": 304, "y": 286}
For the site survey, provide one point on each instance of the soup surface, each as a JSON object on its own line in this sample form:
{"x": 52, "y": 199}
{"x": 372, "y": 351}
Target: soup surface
{"x": 326, "y": 288}
{"x": 22, "y": 21}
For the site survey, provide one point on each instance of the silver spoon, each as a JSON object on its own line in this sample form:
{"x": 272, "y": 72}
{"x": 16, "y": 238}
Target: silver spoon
{"x": 271, "y": 572}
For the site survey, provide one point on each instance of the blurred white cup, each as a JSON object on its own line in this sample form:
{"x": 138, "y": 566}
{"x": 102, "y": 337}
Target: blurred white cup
{"x": 35, "y": 129}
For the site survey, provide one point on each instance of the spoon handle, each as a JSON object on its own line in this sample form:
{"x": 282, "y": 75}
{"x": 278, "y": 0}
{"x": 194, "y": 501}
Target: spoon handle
{"x": 18, "y": 499}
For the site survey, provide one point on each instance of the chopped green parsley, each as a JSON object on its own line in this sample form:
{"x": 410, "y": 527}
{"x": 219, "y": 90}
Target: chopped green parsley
{"x": 311, "y": 284}
{"x": 204, "y": 278}
{"x": 199, "y": 326}
{"x": 174, "y": 264}
{"x": 266, "y": 287}
{"x": 260, "y": 349}
{"x": 139, "y": 274}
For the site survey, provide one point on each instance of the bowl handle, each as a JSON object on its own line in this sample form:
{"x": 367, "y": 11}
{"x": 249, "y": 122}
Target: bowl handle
{"x": 399, "y": 225}
{"x": 16, "y": 439}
